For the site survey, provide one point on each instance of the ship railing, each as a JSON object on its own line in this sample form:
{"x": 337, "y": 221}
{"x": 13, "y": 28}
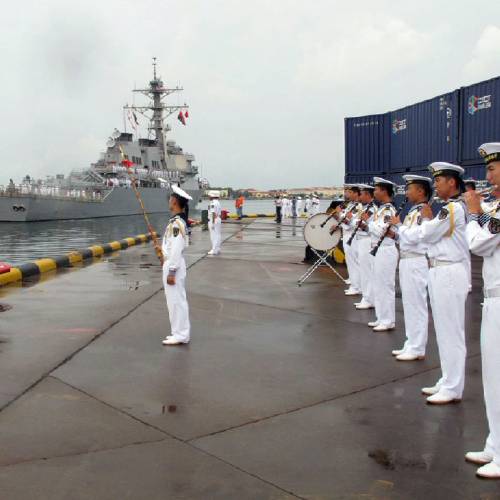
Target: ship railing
{"x": 91, "y": 195}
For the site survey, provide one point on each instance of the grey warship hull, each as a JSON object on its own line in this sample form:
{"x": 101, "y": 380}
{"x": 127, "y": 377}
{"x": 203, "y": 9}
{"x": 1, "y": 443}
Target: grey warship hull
{"x": 119, "y": 201}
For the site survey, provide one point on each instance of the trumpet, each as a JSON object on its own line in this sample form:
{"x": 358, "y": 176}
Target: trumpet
{"x": 483, "y": 192}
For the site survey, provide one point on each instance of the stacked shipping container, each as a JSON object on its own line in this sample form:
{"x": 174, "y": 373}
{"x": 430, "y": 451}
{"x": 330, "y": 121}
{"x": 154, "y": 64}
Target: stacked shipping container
{"x": 448, "y": 127}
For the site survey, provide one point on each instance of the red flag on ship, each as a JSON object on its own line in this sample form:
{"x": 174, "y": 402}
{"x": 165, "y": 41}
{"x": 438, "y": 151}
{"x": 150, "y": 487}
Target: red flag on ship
{"x": 127, "y": 163}
{"x": 186, "y": 114}
{"x": 181, "y": 118}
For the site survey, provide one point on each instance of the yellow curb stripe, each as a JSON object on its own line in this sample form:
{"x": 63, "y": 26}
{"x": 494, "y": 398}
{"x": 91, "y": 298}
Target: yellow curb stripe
{"x": 45, "y": 265}
{"x": 97, "y": 250}
{"x": 115, "y": 245}
{"x": 75, "y": 257}
{"x": 13, "y": 275}
{"x": 130, "y": 241}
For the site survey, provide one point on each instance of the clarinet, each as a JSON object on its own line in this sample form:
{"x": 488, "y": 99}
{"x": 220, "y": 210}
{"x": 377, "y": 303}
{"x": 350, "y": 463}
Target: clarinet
{"x": 358, "y": 225}
{"x": 374, "y": 250}
{"x": 332, "y": 215}
{"x": 341, "y": 221}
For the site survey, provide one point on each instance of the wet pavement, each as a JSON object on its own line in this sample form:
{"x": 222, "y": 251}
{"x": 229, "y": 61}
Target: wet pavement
{"x": 284, "y": 392}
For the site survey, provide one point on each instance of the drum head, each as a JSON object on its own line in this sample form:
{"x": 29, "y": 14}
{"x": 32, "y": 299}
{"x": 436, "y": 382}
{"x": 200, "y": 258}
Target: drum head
{"x": 318, "y": 237}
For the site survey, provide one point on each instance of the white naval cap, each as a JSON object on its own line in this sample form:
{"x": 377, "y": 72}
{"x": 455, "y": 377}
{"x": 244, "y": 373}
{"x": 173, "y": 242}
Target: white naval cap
{"x": 417, "y": 179}
{"x": 443, "y": 168}
{"x": 180, "y": 192}
{"x": 214, "y": 194}
{"x": 299, "y": 197}
{"x": 378, "y": 181}
{"x": 490, "y": 151}
{"x": 366, "y": 187}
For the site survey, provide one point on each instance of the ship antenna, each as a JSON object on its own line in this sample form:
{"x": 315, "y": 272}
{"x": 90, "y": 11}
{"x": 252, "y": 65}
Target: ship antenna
{"x": 154, "y": 68}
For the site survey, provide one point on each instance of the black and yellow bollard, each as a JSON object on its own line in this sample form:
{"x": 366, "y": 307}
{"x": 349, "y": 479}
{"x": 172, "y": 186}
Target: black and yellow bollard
{"x": 204, "y": 220}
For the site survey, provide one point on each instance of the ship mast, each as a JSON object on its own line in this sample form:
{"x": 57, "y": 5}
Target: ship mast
{"x": 160, "y": 110}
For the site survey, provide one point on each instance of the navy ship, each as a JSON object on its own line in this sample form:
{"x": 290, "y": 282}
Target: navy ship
{"x": 104, "y": 189}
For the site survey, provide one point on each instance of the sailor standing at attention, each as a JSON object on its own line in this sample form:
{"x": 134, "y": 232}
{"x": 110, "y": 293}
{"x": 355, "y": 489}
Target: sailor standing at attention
{"x": 175, "y": 240}
{"x": 351, "y": 258}
{"x": 214, "y": 222}
{"x": 448, "y": 282}
{"x": 386, "y": 260}
{"x": 413, "y": 269}
{"x": 483, "y": 235}
{"x": 299, "y": 206}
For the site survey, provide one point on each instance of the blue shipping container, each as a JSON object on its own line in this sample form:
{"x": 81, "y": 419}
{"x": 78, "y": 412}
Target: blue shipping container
{"x": 477, "y": 172}
{"x": 480, "y": 118}
{"x": 425, "y": 132}
{"x": 359, "y": 178}
{"x": 367, "y": 144}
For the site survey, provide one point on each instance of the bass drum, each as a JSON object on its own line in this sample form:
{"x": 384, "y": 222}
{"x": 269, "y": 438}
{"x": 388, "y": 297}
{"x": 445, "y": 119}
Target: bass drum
{"x": 318, "y": 237}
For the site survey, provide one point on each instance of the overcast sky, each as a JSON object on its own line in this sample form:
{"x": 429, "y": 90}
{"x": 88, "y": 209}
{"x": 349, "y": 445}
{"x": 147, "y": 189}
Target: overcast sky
{"x": 269, "y": 83}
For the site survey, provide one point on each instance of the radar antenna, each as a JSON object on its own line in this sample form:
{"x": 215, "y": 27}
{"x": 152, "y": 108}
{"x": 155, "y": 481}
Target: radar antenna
{"x": 157, "y": 111}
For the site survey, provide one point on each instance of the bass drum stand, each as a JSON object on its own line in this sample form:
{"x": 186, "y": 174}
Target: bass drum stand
{"x": 317, "y": 235}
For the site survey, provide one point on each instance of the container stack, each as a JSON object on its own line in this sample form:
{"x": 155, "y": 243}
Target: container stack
{"x": 448, "y": 127}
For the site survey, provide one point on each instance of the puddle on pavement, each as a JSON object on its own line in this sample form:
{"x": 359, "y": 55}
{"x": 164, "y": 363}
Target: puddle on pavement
{"x": 390, "y": 460}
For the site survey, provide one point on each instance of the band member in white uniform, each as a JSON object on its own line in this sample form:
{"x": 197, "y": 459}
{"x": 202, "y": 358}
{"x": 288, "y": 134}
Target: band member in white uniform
{"x": 351, "y": 258}
{"x": 413, "y": 269}
{"x": 363, "y": 246}
{"x": 215, "y": 222}
{"x": 448, "y": 282}
{"x": 470, "y": 185}
{"x": 175, "y": 241}
{"x": 386, "y": 260}
{"x": 483, "y": 235}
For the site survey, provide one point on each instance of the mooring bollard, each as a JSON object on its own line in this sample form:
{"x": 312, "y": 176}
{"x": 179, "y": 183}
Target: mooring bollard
{"x": 204, "y": 220}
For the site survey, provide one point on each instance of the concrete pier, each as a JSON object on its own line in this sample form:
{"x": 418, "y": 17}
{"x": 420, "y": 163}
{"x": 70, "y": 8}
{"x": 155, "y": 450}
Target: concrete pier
{"x": 284, "y": 392}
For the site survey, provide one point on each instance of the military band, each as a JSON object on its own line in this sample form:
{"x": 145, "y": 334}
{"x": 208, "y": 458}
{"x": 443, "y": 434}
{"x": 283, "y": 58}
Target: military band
{"x": 434, "y": 261}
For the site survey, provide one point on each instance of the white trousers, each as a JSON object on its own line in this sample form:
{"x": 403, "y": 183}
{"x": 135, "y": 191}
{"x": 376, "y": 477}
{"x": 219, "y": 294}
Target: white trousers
{"x": 490, "y": 355}
{"x": 384, "y": 285}
{"x": 468, "y": 268}
{"x": 215, "y": 235}
{"x": 351, "y": 260}
{"x": 366, "y": 262}
{"x": 413, "y": 280}
{"x": 448, "y": 292}
{"x": 178, "y": 309}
